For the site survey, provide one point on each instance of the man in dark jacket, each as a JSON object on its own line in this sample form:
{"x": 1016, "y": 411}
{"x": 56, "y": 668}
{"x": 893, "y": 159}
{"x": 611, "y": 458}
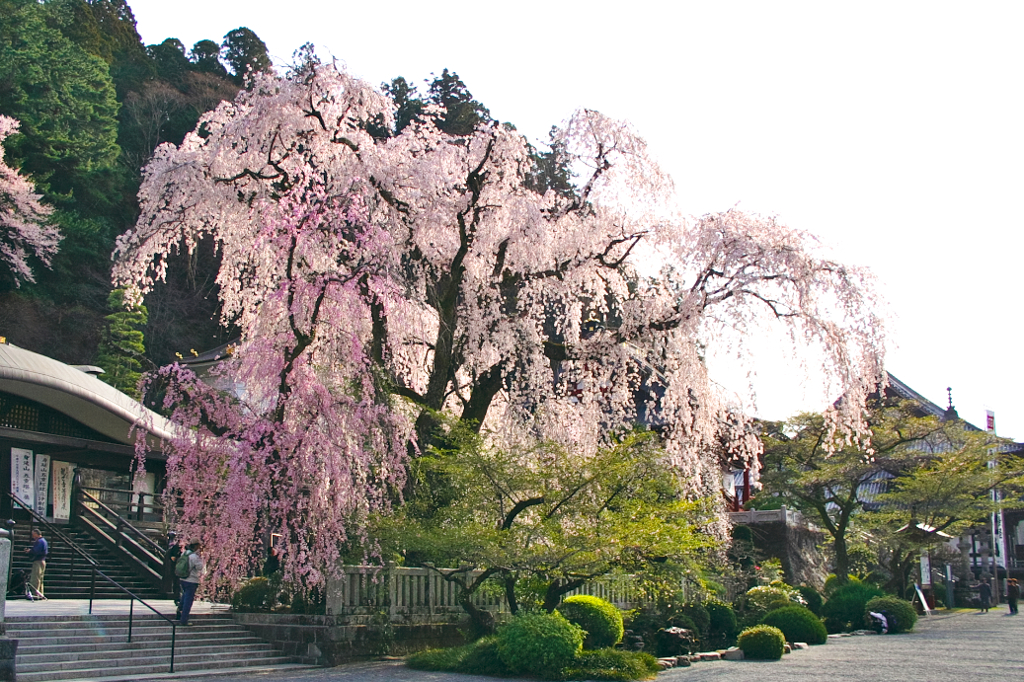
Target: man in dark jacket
{"x": 37, "y": 554}
{"x": 985, "y": 594}
{"x": 172, "y": 583}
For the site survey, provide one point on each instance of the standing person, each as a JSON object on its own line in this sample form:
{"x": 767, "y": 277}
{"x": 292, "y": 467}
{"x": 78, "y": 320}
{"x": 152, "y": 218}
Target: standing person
{"x": 172, "y": 583}
{"x": 1012, "y": 595}
{"x": 273, "y": 562}
{"x": 189, "y": 584}
{"x": 37, "y": 554}
{"x": 985, "y": 594}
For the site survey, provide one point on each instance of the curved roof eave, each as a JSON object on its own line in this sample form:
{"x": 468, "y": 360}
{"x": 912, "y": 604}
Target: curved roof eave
{"x": 99, "y": 406}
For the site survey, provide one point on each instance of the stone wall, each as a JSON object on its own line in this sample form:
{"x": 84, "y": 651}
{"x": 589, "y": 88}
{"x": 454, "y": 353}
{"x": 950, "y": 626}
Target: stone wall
{"x": 787, "y": 537}
{"x": 332, "y": 640}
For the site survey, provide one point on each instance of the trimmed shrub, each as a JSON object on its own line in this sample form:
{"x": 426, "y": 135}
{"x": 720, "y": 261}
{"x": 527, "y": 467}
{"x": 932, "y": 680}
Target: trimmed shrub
{"x": 700, "y": 617}
{"x": 256, "y": 595}
{"x": 613, "y": 664}
{"x": 762, "y": 642}
{"x": 764, "y": 598}
{"x": 601, "y": 620}
{"x": 721, "y": 619}
{"x": 845, "y": 608}
{"x": 812, "y": 598}
{"x": 832, "y": 583}
{"x": 902, "y": 611}
{"x": 798, "y": 624}
{"x": 540, "y": 644}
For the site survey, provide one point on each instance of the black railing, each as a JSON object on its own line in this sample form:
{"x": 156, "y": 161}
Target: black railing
{"x": 133, "y": 505}
{"x": 55, "y": 532}
{"x": 121, "y": 536}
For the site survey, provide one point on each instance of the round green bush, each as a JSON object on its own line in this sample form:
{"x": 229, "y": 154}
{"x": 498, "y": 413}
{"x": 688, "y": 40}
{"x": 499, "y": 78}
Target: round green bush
{"x": 255, "y": 595}
{"x": 540, "y": 644}
{"x": 812, "y": 598}
{"x": 832, "y": 583}
{"x": 762, "y": 642}
{"x": 601, "y": 620}
{"x": 903, "y": 611}
{"x": 700, "y": 617}
{"x": 721, "y": 619}
{"x": 798, "y": 624}
{"x": 844, "y": 610}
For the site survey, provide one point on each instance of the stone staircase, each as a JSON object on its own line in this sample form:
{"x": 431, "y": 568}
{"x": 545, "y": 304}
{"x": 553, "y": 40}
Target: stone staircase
{"x": 60, "y": 583}
{"x": 95, "y": 648}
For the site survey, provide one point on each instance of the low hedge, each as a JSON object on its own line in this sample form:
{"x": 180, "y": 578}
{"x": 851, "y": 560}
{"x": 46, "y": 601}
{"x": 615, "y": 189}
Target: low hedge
{"x": 901, "y": 614}
{"x": 600, "y": 619}
{"x": 762, "y": 642}
{"x": 798, "y": 624}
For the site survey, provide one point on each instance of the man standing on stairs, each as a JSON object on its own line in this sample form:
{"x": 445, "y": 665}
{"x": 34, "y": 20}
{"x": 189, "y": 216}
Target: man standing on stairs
{"x": 172, "y": 583}
{"x": 189, "y": 584}
{"x": 37, "y": 555}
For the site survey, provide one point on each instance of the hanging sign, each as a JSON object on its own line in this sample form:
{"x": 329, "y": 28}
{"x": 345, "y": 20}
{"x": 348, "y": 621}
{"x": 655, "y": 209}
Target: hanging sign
{"x": 63, "y": 474}
{"x": 23, "y": 475}
{"x": 42, "y": 483}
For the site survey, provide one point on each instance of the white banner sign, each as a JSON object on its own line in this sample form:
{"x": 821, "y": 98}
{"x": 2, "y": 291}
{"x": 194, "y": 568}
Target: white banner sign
{"x": 42, "y": 483}
{"x": 63, "y": 474}
{"x": 23, "y": 475}
{"x": 926, "y": 571}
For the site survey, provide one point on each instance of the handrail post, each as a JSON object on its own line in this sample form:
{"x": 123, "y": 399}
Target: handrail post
{"x": 174, "y": 632}
{"x": 131, "y": 618}
{"x": 92, "y": 590}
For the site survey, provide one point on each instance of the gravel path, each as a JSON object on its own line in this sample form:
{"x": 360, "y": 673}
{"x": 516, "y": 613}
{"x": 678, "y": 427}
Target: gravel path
{"x": 957, "y": 647}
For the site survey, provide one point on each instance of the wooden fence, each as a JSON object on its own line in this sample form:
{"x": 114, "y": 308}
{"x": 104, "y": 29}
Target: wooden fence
{"x": 422, "y": 595}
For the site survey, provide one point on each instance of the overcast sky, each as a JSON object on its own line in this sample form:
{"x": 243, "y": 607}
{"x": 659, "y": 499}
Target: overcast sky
{"x": 892, "y": 130}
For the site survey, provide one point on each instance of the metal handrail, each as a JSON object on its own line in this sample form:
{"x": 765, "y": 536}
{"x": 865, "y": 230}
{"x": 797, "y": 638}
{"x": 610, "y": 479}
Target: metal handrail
{"x": 54, "y": 531}
{"x": 153, "y": 504}
{"x": 157, "y": 550}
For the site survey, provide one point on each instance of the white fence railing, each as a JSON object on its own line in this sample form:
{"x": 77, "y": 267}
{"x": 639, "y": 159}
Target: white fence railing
{"x": 424, "y": 595}
{"x": 790, "y": 517}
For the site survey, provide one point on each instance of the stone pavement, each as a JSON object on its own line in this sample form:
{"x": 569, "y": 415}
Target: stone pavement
{"x": 946, "y": 647}
{"x": 102, "y": 607}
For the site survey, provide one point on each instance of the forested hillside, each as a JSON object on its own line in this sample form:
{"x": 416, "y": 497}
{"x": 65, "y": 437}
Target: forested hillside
{"x": 93, "y": 103}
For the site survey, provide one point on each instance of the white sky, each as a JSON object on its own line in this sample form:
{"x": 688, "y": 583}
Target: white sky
{"x": 892, "y": 130}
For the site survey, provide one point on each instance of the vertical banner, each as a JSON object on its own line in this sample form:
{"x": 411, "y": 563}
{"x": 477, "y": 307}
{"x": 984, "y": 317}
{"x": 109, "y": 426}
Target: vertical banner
{"x": 926, "y": 571}
{"x": 23, "y": 476}
{"x": 990, "y": 421}
{"x": 63, "y": 474}
{"x": 42, "y": 483}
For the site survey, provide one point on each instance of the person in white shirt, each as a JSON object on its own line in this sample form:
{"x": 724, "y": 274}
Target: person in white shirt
{"x": 190, "y": 583}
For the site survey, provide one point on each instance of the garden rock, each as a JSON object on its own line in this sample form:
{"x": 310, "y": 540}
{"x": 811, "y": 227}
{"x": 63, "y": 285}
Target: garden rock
{"x": 733, "y": 654}
{"x": 801, "y": 645}
{"x": 710, "y": 656}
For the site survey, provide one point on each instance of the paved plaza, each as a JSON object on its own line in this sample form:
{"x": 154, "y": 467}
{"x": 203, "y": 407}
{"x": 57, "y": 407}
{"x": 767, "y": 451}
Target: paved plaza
{"x": 947, "y": 647}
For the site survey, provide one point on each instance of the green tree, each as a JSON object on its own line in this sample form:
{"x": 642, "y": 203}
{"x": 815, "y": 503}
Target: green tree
{"x": 462, "y": 113}
{"x": 206, "y": 57}
{"x": 245, "y": 53}
{"x": 122, "y": 351}
{"x": 105, "y": 29}
{"x": 948, "y": 489}
{"x": 544, "y": 518}
{"x": 66, "y": 103}
{"x": 169, "y": 57}
{"x": 832, "y": 479}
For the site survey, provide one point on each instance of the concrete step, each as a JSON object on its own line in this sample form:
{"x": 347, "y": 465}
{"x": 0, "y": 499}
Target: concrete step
{"x": 255, "y": 672}
{"x": 222, "y": 664}
{"x": 254, "y": 649}
{"x": 57, "y": 648}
